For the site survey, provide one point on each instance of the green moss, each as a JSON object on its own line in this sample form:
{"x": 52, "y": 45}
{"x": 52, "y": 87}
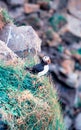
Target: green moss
{"x": 79, "y": 51}
{"x": 6, "y": 16}
{"x": 60, "y": 48}
{"x": 39, "y": 110}
{"x": 49, "y": 34}
{"x": 57, "y": 21}
{"x": 45, "y": 0}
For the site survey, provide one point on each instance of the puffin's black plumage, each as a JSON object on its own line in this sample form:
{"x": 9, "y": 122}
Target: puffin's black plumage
{"x": 3, "y": 126}
{"x": 39, "y": 67}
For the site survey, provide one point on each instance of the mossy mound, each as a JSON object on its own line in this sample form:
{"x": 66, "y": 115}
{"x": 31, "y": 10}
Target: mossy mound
{"x": 57, "y": 21}
{"x": 28, "y": 103}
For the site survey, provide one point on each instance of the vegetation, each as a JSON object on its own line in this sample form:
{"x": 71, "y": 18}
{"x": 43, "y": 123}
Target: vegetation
{"x": 6, "y": 16}
{"x": 28, "y": 103}
{"x": 57, "y": 21}
{"x": 44, "y": 0}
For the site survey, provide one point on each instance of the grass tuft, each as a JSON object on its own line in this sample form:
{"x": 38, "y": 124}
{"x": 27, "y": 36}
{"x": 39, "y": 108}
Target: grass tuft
{"x": 28, "y": 103}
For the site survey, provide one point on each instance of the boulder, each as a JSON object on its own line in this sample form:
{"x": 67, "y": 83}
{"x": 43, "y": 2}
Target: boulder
{"x": 21, "y": 39}
{"x": 68, "y": 66}
{"x": 54, "y": 4}
{"x": 44, "y": 5}
{"x": 75, "y": 8}
{"x": 70, "y": 79}
{"x": 3, "y": 5}
{"x": 62, "y": 4}
{"x": 15, "y": 2}
{"x": 70, "y": 38}
{"x": 74, "y": 25}
{"x": 16, "y": 13}
{"x": 31, "y": 8}
{"x": 34, "y": 21}
{"x": 7, "y": 56}
{"x": 58, "y": 5}
{"x": 71, "y": 29}
{"x": 78, "y": 122}
{"x": 67, "y": 95}
{"x": 68, "y": 122}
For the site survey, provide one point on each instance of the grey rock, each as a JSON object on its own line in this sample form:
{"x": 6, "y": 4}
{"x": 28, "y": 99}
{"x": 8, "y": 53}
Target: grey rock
{"x": 71, "y": 79}
{"x": 3, "y": 5}
{"x": 69, "y": 38}
{"x": 68, "y": 122}
{"x": 20, "y": 39}
{"x": 74, "y": 25}
{"x": 16, "y": 12}
{"x": 75, "y": 8}
{"x": 7, "y": 56}
{"x": 63, "y": 4}
{"x": 58, "y": 4}
{"x": 34, "y": 21}
{"x": 15, "y": 2}
{"x": 54, "y": 4}
{"x": 66, "y": 94}
{"x": 44, "y": 15}
{"x": 78, "y": 122}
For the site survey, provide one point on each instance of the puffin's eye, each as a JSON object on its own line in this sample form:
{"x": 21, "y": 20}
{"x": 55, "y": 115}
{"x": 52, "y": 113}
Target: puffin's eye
{"x": 45, "y": 57}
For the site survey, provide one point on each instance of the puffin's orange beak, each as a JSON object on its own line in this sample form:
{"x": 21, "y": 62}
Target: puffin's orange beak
{"x": 49, "y": 61}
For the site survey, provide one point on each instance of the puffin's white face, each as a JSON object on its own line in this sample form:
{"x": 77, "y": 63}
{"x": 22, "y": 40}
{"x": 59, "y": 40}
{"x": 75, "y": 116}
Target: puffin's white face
{"x": 46, "y": 59}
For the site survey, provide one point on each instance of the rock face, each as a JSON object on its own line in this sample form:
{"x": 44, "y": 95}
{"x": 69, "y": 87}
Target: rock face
{"x": 74, "y": 25}
{"x": 15, "y": 2}
{"x": 75, "y": 8}
{"x": 16, "y": 13}
{"x": 6, "y": 55}
{"x": 68, "y": 122}
{"x": 34, "y": 21}
{"x": 58, "y": 4}
{"x": 78, "y": 122}
{"x": 3, "y": 5}
{"x": 21, "y": 39}
{"x": 30, "y": 8}
{"x": 70, "y": 79}
{"x": 68, "y": 65}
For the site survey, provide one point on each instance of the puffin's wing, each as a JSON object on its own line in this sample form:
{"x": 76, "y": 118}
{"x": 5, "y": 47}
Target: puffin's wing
{"x": 37, "y": 68}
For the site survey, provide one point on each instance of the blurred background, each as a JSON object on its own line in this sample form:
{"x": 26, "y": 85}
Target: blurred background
{"x": 58, "y": 24}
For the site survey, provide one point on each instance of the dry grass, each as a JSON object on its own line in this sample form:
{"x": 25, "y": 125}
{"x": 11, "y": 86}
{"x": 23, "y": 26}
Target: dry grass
{"x": 4, "y": 18}
{"x": 28, "y": 103}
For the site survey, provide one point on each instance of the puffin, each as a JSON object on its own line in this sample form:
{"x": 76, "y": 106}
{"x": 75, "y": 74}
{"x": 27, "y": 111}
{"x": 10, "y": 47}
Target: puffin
{"x": 3, "y": 125}
{"x": 42, "y": 68}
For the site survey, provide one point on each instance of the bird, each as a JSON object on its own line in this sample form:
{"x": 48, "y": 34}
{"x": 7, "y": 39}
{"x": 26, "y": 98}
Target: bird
{"x": 41, "y": 68}
{"x": 3, "y": 125}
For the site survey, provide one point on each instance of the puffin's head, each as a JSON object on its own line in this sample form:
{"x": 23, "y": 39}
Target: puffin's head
{"x": 46, "y": 59}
